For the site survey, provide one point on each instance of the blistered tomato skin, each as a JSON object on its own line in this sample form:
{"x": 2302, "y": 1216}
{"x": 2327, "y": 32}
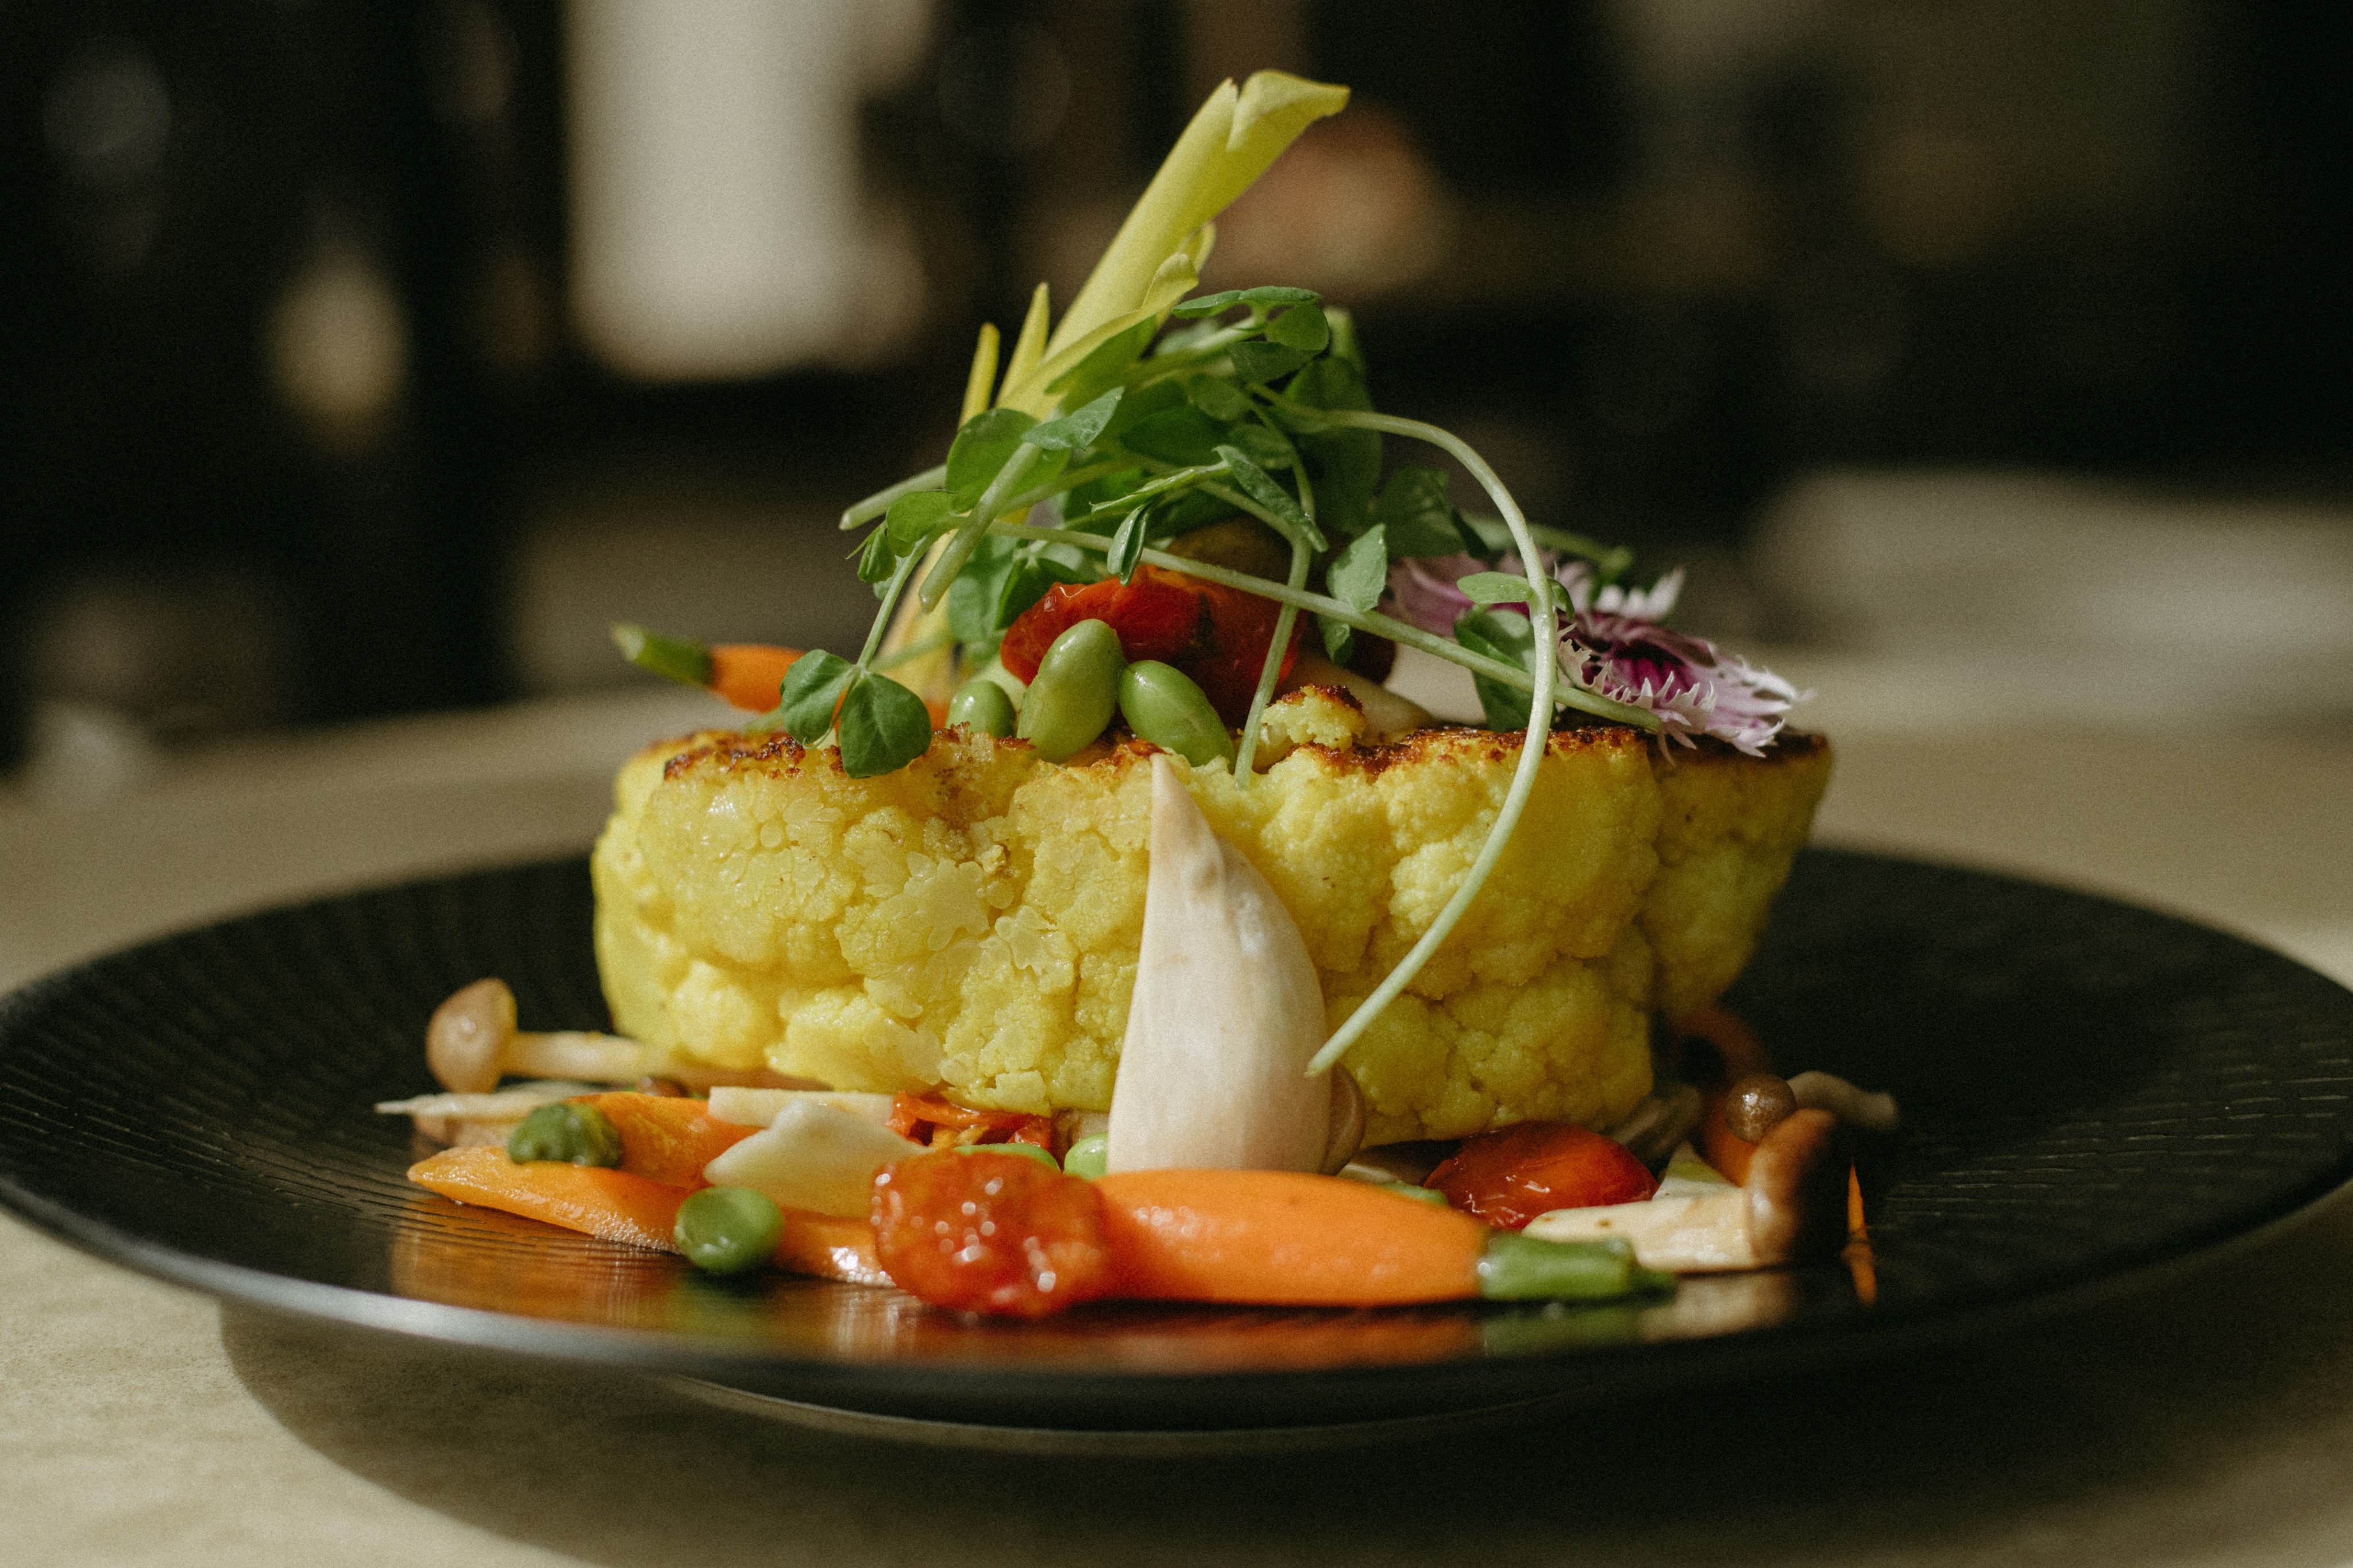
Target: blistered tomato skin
{"x": 1155, "y": 619}
{"x": 983, "y": 1232}
{"x": 1226, "y": 659}
{"x": 1508, "y": 1177}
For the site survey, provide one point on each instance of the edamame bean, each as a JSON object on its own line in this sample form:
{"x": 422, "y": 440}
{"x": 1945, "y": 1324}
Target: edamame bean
{"x": 1011, "y": 1146}
{"x": 1161, "y": 703}
{"x": 576, "y": 1135}
{"x": 1076, "y": 687}
{"x": 726, "y": 1230}
{"x": 983, "y": 705}
{"x": 1088, "y": 1156}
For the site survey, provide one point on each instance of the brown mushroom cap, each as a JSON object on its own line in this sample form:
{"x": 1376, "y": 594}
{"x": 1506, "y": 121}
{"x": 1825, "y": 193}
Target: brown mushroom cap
{"x": 468, "y": 1036}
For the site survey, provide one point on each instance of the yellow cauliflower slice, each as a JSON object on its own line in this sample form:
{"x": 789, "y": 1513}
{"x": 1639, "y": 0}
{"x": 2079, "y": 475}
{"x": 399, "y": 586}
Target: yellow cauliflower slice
{"x": 971, "y": 921}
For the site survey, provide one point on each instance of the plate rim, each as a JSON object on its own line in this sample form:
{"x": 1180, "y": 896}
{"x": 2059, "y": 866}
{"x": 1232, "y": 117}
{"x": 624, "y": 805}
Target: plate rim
{"x": 725, "y": 1363}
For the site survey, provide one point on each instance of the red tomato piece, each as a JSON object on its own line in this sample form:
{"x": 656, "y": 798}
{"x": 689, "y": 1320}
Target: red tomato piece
{"x": 1226, "y": 660}
{"x": 1154, "y": 616}
{"x": 990, "y": 1233}
{"x": 1509, "y": 1176}
{"x": 923, "y": 1119}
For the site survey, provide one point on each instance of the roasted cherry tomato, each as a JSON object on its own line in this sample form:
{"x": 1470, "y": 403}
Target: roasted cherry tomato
{"x": 935, "y": 1121}
{"x": 1154, "y": 616}
{"x": 990, "y": 1233}
{"x": 1227, "y": 658}
{"x": 1509, "y": 1178}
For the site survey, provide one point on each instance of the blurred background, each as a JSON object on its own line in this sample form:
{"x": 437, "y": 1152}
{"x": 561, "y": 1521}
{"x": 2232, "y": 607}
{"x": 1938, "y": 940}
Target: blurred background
{"x": 362, "y": 359}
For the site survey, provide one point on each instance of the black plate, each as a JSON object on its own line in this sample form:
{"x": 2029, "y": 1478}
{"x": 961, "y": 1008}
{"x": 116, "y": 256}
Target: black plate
{"x": 2092, "y": 1088}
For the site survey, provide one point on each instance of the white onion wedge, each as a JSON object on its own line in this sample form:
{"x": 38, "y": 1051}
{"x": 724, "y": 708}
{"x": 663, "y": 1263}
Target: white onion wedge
{"x": 812, "y": 1156}
{"x": 1225, "y": 1014}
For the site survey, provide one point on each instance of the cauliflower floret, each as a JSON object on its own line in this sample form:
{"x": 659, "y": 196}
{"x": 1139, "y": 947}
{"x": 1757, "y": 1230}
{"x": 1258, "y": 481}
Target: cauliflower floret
{"x": 972, "y": 921}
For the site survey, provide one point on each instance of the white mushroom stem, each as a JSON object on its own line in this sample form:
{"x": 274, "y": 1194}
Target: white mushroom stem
{"x": 472, "y": 1042}
{"x": 462, "y": 1118}
{"x": 1860, "y": 1108}
{"x": 1226, "y": 1013}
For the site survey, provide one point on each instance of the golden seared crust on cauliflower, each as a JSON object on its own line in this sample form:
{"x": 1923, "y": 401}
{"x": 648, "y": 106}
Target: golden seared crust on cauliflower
{"x": 972, "y": 920}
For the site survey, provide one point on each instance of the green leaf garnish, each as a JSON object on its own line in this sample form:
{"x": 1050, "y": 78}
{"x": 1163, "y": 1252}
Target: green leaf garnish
{"x": 1183, "y": 435}
{"x": 1346, "y": 464}
{"x": 1259, "y": 486}
{"x": 1226, "y": 298}
{"x": 1303, "y": 327}
{"x": 1339, "y": 638}
{"x": 1259, "y": 363}
{"x": 980, "y": 451}
{"x": 1413, "y": 508}
{"x": 876, "y": 559}
{"x": 913, "y": 519}
{"x": 1503, "y": 588}
{"x": 1218, "y": 398}
{"x": 1208, "y": 305}
{"x": 1503, "y": 635}
{"x": 883, "y": 725}
{"x": 1261, "y": 444}
{"x": 1076, "y": 429}
{"x": 812, "y": 690}
{"x": 1359, "y": 574}
{"x": 1127, "y": 544}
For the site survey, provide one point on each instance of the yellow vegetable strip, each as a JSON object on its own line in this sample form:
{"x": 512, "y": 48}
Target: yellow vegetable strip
{"x": 982, "y": 379}
{"x": 1026, "y": 389}
{"x": 1229, "y": 144}
{"x": 1029, "y": 345}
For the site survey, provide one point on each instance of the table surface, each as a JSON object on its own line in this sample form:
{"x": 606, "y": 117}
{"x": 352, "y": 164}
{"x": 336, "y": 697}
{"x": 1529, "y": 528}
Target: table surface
{"x": 2206, "y": 1418}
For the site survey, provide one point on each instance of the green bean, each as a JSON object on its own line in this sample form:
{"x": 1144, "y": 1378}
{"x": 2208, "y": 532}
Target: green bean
{"x": 1086, "y": 1156}
{"x": 726, "y": 1230}
{"x": 1074, "y": 692}
{"x": 1518, "y": 1268}
{"x": 1011, "y": 1146}
{"x": 576, "y": 1135}
{"x": 982, "y": 704}
{"x": 1161, "y": 703}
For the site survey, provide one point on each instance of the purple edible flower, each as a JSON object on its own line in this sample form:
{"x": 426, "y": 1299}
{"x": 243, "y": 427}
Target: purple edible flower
{"x": 1614, "y": 644}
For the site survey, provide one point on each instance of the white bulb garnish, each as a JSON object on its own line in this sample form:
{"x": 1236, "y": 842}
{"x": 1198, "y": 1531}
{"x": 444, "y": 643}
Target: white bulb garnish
{"x": 1226, "y": 1013}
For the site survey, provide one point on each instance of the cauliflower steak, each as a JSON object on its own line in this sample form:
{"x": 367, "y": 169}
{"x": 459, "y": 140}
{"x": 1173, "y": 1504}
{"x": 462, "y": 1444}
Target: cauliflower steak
{"x": 972, "y": 920}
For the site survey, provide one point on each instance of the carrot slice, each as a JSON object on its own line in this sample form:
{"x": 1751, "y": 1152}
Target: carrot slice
{"x": 668, "y": 1138}
{"x": 619, "y": 1206}
{"x": 829, "y": 1247}
{"x": 747, "y": 674}
{"x": 612, "y": 1204}
{"x": 1283, "y": 1238}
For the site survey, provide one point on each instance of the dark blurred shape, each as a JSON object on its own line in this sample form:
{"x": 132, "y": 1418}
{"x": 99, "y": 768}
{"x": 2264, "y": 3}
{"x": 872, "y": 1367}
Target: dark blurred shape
{"x": 289, "y": 293}
{"x": 227, "y": 334}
